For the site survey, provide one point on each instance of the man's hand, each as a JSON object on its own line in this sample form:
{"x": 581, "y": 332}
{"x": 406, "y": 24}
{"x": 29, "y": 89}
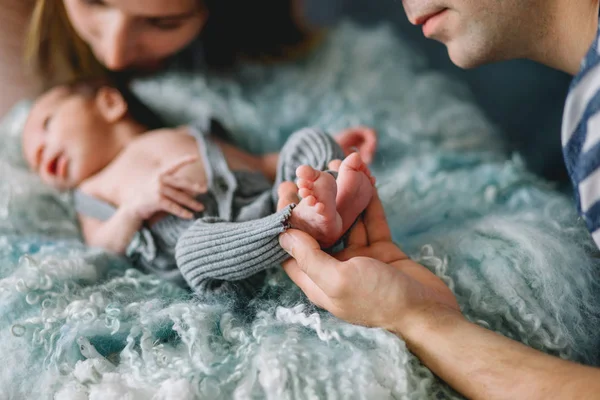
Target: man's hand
{"x": 372, "y": 282}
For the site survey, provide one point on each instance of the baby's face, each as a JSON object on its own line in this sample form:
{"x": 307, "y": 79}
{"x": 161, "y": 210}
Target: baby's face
{"x": 63, "y": 138}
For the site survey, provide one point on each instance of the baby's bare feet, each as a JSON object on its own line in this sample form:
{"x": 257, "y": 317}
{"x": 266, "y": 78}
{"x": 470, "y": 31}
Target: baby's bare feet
{"x": 316, "y": 213}
{"x": 354, "y": 189}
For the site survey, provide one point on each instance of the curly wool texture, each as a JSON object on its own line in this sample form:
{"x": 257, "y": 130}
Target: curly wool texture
{"x": 78, "y": 324}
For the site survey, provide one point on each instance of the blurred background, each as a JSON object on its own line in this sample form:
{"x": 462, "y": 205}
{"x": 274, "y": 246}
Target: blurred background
{"x": 525, "y": 100}
{"x": 522, "y": 99}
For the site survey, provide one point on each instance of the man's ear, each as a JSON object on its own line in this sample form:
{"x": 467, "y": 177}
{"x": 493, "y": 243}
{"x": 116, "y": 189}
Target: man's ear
{"x": 111, "y": 104}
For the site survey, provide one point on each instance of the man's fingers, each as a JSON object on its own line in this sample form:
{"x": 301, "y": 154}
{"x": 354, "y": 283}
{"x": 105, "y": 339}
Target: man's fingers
{"x": 358, "y": 234}
{"x": 288, "y": 194}
{"x": 377, "y": 227}
{"x": 319, "y": 266}
{"x": 310, "y": 289}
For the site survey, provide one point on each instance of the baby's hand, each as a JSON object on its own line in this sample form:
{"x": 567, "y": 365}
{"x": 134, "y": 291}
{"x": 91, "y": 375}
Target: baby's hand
{"x": 168, "y": 193}
{"x": 360, "y": 139}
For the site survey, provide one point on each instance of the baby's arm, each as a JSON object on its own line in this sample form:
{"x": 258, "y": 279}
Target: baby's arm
{"x": 114, "y": 234}
{"x": 163, "y": 194}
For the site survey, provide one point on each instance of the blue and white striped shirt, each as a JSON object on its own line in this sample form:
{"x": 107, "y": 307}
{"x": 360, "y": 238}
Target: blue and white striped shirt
{"x": 581, "y": 138}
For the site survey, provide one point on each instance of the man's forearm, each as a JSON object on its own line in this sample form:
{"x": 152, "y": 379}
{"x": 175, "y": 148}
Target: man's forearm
{"x": 484, "y": 365}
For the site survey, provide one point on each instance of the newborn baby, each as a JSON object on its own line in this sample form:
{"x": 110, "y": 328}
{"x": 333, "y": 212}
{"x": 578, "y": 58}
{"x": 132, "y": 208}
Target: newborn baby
{"x": 183, "y": 203}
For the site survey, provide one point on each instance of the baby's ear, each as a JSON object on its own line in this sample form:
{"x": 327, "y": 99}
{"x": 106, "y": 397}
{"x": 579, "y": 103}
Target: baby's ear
{"x": 111, "y": 104}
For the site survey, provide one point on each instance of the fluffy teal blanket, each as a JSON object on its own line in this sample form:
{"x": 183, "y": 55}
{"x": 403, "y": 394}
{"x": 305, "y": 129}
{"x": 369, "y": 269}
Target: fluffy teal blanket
{"x": 77, "y": 323}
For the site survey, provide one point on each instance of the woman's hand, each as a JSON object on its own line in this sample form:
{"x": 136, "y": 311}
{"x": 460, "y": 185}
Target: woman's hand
{"x": 372, "y": 282}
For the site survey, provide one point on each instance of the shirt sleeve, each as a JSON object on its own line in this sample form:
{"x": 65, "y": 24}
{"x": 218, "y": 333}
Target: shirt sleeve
{"x": 581, "y": 139}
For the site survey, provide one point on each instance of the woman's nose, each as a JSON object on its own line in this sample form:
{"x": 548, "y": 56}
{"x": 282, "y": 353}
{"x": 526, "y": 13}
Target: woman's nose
{"x": 117, "y": 44}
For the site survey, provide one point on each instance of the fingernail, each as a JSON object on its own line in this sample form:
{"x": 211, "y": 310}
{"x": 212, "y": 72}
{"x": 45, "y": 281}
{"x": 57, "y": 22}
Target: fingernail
{"x": 286, "y": 241}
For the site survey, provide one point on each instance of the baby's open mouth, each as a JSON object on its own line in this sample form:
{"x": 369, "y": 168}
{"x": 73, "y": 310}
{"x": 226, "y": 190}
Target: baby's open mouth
{"x": 58, "y": 166}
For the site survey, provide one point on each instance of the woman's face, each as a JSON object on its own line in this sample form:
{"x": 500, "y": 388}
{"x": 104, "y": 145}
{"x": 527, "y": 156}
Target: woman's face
{"x": 137, "y": 34}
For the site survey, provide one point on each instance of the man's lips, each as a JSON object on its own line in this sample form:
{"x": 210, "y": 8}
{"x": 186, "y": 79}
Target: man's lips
{"x": 423, "y": 19}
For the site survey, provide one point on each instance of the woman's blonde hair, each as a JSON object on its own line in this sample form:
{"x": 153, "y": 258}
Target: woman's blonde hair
{"x": 54, "y": 51}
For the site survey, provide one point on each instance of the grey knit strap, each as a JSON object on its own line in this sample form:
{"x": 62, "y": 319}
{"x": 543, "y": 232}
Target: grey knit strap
{"x": 217, "y": 250}
{"x": 91, "y": 206}
{"x": 221, "y": 181}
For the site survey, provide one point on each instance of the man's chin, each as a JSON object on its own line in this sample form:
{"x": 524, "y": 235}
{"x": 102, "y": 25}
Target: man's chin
{"x": 464, "y": 63}
{"x": 468, "y": 60}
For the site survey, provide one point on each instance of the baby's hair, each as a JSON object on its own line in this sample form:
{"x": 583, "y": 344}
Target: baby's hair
{"x": 136, "y": 108}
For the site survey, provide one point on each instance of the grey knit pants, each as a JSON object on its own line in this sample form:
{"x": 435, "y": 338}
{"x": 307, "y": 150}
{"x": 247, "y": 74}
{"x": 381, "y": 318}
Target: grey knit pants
{"x": 215, "y": 254}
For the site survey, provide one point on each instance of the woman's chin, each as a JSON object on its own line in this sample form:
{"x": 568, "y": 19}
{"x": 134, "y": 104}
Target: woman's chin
{"x": 147, "y": 67}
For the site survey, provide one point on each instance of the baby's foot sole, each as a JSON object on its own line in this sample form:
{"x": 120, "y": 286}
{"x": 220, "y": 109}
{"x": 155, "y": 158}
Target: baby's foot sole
{"x": 316, "y": 214}
{"x": 355, "y": 188}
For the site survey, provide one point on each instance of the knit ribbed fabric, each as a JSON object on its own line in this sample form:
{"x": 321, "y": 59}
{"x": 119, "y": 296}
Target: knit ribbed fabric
{"x": 216, "y": 250}
{"x": 213, "y": 250}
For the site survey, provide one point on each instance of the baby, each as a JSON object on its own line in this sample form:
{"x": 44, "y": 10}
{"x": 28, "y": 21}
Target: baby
{"x": 181, "y": 202}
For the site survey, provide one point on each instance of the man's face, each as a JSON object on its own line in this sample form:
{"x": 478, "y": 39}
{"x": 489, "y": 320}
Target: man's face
{"x": 481, "y": 31}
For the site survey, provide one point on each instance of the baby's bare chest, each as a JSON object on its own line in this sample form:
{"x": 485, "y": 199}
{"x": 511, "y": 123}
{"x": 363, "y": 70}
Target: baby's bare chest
{"x": 154, "y": 159}
{"x": 142, "y": 166}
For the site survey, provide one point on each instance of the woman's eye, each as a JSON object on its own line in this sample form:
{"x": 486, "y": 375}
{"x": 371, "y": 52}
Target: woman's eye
{"x": 164, "y": 25}
{"x": 94, "y": 2}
